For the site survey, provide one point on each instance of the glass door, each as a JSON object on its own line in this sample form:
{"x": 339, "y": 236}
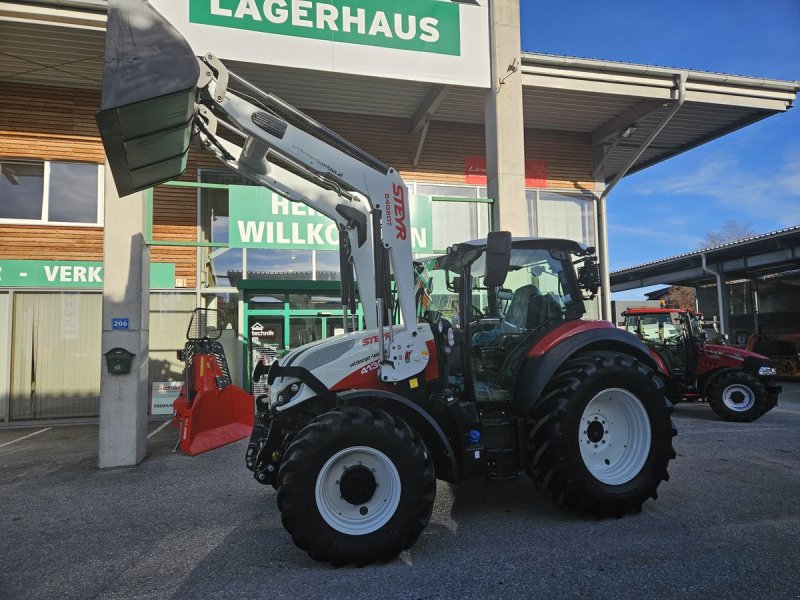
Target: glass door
{"x": 265, "y": 337}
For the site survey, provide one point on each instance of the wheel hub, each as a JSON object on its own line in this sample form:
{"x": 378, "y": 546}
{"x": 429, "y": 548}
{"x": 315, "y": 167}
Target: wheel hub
{"x": 358, "y": 490}
{"x": 594, "y": 431}
{"x": 357, "y": 484}
{"x": 738, "y": 398}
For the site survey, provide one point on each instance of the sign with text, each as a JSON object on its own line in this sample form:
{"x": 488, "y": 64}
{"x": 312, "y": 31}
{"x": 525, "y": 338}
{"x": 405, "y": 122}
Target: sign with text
{"x": 437, "y": 41}
{"x": 535, "y": 171}
{"x": 120, "y": 323}
{"x": 164, "y": 393}
{"x": 71, "y": 274}
{"x": 418, "y": 25}
{"x": 259, "y": 218}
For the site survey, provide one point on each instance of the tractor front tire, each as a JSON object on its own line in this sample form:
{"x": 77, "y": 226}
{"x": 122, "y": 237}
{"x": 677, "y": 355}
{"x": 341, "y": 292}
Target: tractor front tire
{"x": 356, "y": 485}
{"x": 738, "y": 396}
{"x": 600, "y": 436}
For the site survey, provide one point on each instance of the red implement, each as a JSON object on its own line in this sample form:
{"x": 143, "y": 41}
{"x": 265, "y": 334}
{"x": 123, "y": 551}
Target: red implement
{"x": 216, "y": 412}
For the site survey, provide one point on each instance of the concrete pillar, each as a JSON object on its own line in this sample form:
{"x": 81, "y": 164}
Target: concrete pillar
{"x": 505, "y": 128}
{"x": 126, "y": 295}
{"x": 723, "y": 304}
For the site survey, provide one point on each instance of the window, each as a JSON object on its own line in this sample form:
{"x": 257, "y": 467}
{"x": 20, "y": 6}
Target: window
{"x": 561, "y": 215}
{"x": 51, "y": 192}
{"x": 454, "y": 220}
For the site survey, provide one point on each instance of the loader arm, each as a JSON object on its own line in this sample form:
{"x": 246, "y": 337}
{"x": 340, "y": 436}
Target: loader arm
{"x": 278, "y": 147}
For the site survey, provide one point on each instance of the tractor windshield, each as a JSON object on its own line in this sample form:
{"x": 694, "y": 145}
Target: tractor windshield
{"x": 540, "y": 286}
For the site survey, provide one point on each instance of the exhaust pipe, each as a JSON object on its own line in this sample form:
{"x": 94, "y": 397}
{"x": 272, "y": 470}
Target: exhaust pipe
{"x": 149, "y": 92}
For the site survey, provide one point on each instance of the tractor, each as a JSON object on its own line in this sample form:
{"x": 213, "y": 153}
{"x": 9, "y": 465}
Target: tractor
{"x": 476, "y": 364}
{"x": 739, "y": 385}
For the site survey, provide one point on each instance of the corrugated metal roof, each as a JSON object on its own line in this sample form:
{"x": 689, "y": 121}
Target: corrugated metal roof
{"x": 710, "y": 249}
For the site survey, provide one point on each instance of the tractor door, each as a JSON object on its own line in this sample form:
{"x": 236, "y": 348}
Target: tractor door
{"x": 540, "y": 292}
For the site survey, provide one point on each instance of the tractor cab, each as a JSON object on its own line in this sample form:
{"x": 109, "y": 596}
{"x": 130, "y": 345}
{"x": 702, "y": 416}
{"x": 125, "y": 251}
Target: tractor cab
{"x": 487, "y": 322}
{"x": 673, "y": 334}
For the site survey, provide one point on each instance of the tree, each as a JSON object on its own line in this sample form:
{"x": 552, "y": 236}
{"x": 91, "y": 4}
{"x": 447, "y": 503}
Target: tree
{"x": 680, "y": 297}
{"x": 731, "y": 231}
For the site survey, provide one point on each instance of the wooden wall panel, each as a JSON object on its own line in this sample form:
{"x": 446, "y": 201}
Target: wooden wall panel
{"x": 49, "y": 123}
{"x": 41, "y": 242}
{"x": 568, "y": 156}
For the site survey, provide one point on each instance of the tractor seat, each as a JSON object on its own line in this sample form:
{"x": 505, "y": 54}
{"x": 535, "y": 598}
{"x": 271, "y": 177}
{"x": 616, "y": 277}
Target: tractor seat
{"x": 529, "y": 309}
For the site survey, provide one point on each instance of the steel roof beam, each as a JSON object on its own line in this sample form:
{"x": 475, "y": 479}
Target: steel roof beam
{"x": 622, "y": 121}
{"x": 428, "y": 106}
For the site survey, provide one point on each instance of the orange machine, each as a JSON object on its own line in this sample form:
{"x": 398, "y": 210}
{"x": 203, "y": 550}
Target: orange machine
{"x": 210, "y": 411}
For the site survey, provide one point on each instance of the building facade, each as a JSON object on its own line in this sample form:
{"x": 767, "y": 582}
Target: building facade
{"x": 271, "y": 275}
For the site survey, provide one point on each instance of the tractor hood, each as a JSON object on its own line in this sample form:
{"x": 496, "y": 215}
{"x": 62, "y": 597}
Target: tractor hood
{"x": 717, "y": 356}
{"x": 147, "y": 110}
{"x": 343, "y": 362}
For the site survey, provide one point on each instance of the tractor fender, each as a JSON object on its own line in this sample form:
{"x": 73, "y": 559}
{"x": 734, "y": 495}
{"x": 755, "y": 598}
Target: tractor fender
{"x": 706, "y": 379}
{"x": 444, "y": 458}
{"x": 546, "y": 357}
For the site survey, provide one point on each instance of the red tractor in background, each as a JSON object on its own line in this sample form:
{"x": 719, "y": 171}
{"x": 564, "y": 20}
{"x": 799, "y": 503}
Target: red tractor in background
{"x": 738, "y": 384}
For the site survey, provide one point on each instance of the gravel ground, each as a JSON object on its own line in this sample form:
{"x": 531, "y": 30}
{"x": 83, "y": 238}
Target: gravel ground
{"x": 726, "y": 525}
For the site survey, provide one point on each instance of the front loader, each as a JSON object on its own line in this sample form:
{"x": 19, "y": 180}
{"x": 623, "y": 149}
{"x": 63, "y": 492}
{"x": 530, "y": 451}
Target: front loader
{"x": 476, "y": 364}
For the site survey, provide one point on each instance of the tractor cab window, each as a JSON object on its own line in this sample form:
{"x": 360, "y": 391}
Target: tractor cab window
{"x": 436, "y": 293}
{"x": 664, "y": 333}
{"x": 538, "y": 291}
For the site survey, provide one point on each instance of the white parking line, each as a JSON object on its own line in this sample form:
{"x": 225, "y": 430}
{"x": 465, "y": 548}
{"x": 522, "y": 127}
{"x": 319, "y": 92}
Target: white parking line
{"x": 25, "y": 437}
{"x": 164, "y": 424}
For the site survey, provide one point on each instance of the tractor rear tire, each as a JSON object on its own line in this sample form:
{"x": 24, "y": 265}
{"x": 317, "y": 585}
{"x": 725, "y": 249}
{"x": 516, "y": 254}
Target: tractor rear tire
{"x": 356, "y": 485}
{"x": 740, "y": 397}
{"x": 600, "y": 436}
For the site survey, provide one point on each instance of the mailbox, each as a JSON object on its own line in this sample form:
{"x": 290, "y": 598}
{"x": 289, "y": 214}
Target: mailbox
{"x": 118, "y": 361}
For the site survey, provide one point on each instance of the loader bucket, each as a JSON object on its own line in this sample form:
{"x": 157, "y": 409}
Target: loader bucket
{"x": 215, "y": 418}
{"x": 149, "y": 90}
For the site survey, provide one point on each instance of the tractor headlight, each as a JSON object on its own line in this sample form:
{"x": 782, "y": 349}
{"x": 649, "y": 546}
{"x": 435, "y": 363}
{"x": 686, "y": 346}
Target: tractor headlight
{"x": 288, "y": 393}
{"x": 766, "y": 371}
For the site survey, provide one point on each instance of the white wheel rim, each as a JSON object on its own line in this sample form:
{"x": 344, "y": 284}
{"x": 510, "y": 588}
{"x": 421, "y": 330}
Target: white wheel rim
{"x": 361, "y": 518}
{"x": 614, "y": 436}
{"x": 738, "y": 397}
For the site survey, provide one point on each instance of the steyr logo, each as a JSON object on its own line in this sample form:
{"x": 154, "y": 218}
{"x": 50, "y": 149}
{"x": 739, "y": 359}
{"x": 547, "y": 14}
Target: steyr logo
{"x": 400, "y": 211}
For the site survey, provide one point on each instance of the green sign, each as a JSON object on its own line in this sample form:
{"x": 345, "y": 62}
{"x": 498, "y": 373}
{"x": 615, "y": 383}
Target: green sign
{"x": 71, "y": 274}
{"x": 259, "y": 218}
{"x": 418, "y": 25}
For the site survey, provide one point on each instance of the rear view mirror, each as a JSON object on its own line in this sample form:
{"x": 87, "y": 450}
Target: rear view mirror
{"x": 498, "y": 258}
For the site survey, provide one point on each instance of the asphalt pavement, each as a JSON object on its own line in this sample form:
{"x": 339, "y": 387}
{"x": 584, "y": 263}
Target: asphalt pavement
{"x": 726, "y": 525}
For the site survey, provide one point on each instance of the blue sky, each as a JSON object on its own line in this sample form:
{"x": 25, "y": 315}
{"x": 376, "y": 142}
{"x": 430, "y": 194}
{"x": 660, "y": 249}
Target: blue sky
{"x": 751, "y": 176}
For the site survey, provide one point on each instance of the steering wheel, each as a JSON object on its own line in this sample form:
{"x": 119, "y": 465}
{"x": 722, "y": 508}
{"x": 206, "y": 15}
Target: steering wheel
{"x": 673, "y": 340}
{"x": 477, "y": 311}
